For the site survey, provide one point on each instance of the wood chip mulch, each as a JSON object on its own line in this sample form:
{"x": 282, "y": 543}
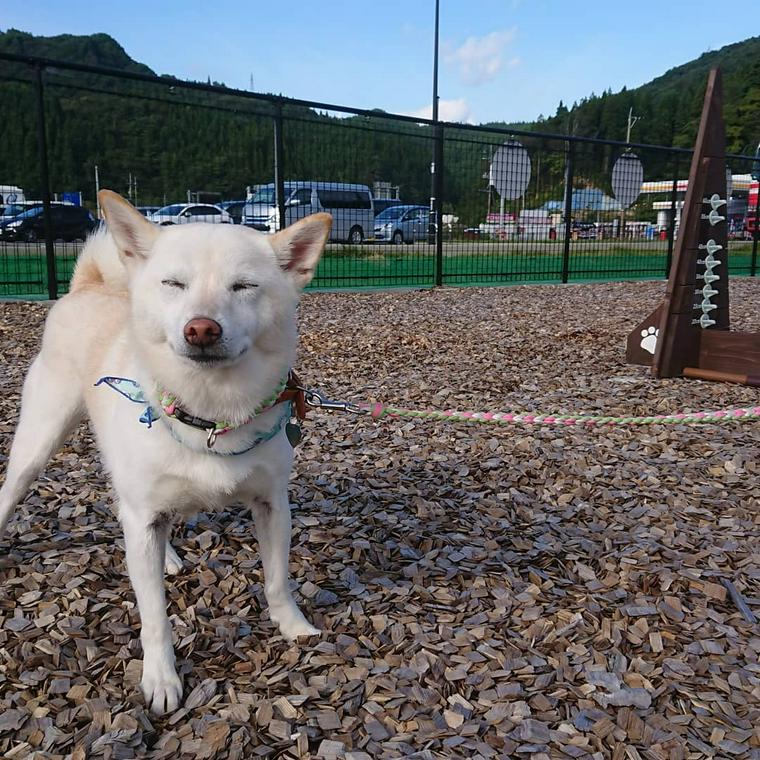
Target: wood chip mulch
{"x": 484, "y": 592}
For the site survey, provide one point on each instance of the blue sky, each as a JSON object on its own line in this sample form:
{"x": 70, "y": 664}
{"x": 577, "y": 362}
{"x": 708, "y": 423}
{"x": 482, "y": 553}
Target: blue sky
{"x": 501, "y": 60}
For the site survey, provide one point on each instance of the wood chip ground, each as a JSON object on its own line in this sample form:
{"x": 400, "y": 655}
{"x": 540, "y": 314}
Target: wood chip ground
{"x": 483, "y": 592}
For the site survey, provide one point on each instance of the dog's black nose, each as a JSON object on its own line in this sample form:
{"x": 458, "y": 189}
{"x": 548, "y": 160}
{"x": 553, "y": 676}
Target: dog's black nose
{"x": 202, "y": 332}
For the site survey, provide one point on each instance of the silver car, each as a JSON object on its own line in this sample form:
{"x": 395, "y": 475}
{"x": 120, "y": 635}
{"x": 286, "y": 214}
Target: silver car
{"x": 402, "y": 224}
{"x": 186, "y": 213}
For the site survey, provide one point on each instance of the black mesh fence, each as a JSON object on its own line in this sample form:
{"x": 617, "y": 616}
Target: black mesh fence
{"x": 499, "y": 221}
{"x": 345, "y": 163}
{"x": 743, "y": 211}
{"x": 414, "y": 203}
{"x": 23, "y": 259}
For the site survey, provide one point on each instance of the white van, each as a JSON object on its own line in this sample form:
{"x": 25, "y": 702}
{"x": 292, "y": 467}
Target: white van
{"x": 10, "y": 194}
{"x": 351, "y": 207}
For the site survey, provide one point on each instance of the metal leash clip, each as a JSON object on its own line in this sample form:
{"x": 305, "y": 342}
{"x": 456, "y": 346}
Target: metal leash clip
{"x": 315, "y": 399}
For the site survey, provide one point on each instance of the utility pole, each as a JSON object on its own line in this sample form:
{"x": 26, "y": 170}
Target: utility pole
{"x": 433, "y": 168}
{"x": 631, "y": 122}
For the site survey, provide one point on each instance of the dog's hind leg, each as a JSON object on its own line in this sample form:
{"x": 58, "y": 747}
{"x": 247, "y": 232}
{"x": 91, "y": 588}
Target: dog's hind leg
{"x": 51, "y": 407}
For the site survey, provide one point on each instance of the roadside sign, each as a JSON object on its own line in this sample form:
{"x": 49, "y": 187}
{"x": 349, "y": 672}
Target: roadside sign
{"x": 510, "y": 170}
{"x": 627, "y": 176}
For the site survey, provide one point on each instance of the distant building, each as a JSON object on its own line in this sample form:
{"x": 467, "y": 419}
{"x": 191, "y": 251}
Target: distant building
{"x": 385, "y": 191}
{"x": 590, "y": 199}
{"x": 740, "y": 185}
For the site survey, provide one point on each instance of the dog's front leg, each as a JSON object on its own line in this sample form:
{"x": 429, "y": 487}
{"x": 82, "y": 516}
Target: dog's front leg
{"x": 273, "y": 531}
{"x": 145, "y": 542}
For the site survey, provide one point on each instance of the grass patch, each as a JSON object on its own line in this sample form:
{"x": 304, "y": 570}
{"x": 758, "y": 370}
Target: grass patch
{"x": 23, "y": 271}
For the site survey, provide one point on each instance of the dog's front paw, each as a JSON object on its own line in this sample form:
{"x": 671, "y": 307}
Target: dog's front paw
{"x": 292, "y": 623}
{"x": 172, "y": 562}
{"x": 161, "y": 689}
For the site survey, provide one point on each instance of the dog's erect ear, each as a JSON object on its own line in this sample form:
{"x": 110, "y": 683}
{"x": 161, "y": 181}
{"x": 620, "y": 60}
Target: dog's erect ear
{"x": 299, "y": 247}
{"x": 133, "y": 233}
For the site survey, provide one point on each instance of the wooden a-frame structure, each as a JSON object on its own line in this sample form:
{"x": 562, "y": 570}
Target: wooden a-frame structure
{"x": 688, "y": 333}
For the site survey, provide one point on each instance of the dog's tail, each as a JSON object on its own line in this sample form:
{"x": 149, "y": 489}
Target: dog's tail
{"x": 99, "y": 265}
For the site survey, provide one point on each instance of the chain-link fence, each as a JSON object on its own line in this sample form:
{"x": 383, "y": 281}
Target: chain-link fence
{"x": 414, "y": 203}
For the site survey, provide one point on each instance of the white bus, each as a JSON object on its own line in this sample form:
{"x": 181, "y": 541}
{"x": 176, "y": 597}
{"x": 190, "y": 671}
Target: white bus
{"x": 351, "y": 206}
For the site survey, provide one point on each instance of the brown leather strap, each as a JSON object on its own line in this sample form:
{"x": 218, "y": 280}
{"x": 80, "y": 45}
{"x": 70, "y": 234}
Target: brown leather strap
{"x": 294, "y": 393}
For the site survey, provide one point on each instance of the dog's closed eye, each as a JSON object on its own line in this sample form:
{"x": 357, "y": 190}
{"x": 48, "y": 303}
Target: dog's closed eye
{"x": 174, "y": 284}
{"x": 238, "y": 286}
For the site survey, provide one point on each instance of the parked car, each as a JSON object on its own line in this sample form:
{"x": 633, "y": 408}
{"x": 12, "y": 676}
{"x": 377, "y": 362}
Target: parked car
{"x": 383, "y": 203}
{"x": 351, "y": 207}
{"x": 234, "y": 209}
{"x": 185, "y": 213}
{"x": 402, "y": 224}
{"x": 68, "y": 222}
{"x": 12, "y": 210}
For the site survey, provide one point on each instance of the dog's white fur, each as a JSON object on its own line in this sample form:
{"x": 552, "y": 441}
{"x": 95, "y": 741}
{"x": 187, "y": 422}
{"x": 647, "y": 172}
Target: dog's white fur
{"x": 134, "y": 289}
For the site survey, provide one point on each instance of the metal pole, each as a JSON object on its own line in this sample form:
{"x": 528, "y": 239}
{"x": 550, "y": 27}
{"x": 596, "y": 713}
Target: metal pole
{"x": 672, "y": 225}
{"x": 433, "y": 167}
{"x": 52, "y": 276}
{"x": 435, "y": 65}
{"x": 279, "y": 178}
{"x": 568, "y": 210}
{"x": 438, "y": 197}
{"x": 755, "y": 235}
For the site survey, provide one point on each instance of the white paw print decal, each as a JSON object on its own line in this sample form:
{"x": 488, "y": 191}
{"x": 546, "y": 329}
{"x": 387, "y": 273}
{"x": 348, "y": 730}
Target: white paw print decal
{"x": 649, "y": 339}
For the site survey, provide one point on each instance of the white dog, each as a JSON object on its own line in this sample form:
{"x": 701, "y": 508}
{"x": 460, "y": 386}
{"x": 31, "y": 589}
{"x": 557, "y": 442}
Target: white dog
{"x": 197, "y": 323}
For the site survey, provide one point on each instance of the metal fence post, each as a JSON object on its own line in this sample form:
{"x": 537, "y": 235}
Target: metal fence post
{"x": 279, "y": 177}
{"x": 52, "y": 275}
{"x": 438, "y": 210}
{"x": 755, "y": 235}
{"x": 672, "y": 225}
{"x": 569, "y": 168}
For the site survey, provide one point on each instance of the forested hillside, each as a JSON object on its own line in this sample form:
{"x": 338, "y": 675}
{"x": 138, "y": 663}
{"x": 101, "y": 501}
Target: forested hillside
{"x": 171, "y": 140}
{"x": 669, "y": 106}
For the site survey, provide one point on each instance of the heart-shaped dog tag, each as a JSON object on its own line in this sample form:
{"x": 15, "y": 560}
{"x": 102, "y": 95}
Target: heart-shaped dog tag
{"x": 293, "y": 432}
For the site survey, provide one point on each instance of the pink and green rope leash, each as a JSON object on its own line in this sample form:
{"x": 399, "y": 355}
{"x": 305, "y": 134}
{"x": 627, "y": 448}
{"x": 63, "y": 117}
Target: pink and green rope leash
{"x": 378, "y": 411}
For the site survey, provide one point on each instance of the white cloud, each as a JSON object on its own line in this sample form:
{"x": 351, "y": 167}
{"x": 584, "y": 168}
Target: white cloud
{"x": 448, "y": 110}
{"x": 479, "y": 59}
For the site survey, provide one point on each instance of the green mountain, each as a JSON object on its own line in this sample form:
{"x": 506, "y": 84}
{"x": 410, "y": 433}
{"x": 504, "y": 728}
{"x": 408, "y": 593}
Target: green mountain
{"x": 93, "y": 49}
{"x": 167, "y": 140}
